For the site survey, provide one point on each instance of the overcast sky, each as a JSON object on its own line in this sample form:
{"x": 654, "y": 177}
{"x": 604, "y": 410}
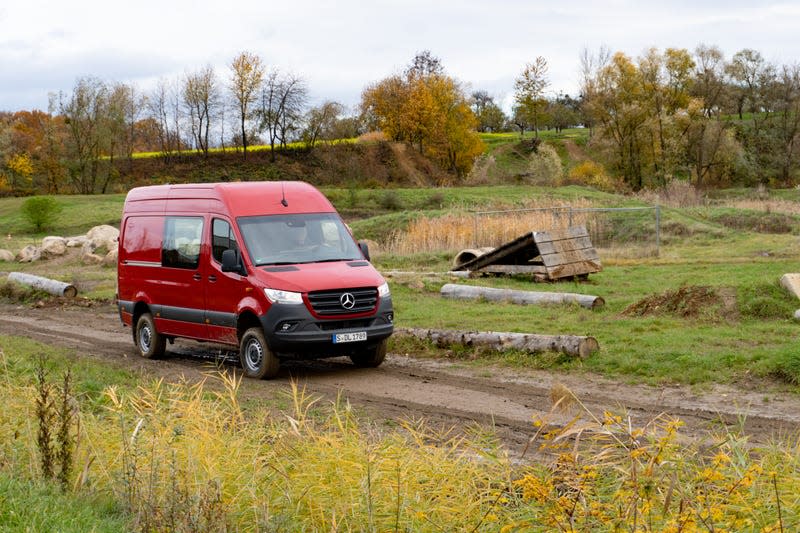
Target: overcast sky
{"x": 340, "y": 46}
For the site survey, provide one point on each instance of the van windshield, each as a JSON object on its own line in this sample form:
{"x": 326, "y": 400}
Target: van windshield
{"x": 292, "y": 239}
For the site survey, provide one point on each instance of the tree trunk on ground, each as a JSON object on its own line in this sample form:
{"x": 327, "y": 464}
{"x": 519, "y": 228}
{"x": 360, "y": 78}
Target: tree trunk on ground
{"x": 59, "y": 288}
{"x": 501, "y": 341}
{"x": 471, "y": 292}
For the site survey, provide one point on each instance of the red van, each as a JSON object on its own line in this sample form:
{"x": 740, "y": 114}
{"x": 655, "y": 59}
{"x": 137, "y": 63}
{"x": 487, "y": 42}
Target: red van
{"x": 268, "y": 267}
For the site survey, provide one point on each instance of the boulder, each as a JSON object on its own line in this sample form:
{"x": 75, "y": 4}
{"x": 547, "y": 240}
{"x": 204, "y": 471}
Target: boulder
{"x": 111, "y": 257}
{"x": 6, "y": 255}
{"x": 91, "y": 259}
{"x": 52, "y": 246}
{"x": 797, "y": 315}
{"x": 29, "y": 254}
{"x": 104, "y": 236}
{"x": 74, "y": 242}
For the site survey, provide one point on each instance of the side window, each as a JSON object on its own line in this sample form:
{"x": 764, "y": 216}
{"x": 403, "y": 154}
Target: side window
{"x": 222, "y": 238}
{"x": 182, "y": 238}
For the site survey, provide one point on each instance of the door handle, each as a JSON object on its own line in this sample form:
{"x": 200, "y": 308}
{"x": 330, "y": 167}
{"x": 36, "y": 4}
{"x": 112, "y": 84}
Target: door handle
{"x": 212, "y": 278}
{"x": 197, "y": 277}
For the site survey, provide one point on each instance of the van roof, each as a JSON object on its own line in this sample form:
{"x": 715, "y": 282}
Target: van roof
{"x": 247, "y": 198}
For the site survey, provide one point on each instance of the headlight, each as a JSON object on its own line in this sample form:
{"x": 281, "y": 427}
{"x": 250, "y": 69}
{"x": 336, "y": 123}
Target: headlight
{"x": 283, "y": 297}
{"x": 383, "y": 291}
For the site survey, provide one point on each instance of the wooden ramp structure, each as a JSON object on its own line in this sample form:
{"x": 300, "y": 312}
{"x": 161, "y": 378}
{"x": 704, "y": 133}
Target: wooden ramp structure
{"x": 545, "y": 255}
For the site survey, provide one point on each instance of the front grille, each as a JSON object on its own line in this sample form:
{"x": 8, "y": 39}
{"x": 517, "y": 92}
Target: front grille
{"x": 326, "y": 303}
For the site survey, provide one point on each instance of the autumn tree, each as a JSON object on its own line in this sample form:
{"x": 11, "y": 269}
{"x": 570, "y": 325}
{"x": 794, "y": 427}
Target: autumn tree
{"x": 427, "y": 109}
{"x": 247, "y": 75}
{"x": 321, "y": 122}
{"x": 529, "y": 90}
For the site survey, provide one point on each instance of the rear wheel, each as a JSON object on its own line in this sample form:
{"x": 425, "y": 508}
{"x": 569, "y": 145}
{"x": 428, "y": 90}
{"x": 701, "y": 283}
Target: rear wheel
{"x": 149, "y": 341}
{"x": 370, "y": 357}
{"x": 257, "y": 359}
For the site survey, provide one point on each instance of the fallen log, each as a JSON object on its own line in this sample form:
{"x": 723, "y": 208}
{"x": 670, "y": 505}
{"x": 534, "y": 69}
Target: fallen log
{"x": 791, "y": 282}
{"x": 501, "y": 341}
{"x": 471, "y": 292}
{"x": 52, "y": 286}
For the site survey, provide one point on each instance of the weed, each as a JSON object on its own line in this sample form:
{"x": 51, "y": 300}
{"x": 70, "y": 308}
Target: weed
{"x": 59, "y": 413}
{"x": 765, "y": 301}
{"x": 390, "y": 201}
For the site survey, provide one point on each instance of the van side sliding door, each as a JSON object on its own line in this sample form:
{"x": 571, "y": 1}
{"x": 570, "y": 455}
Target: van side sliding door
{"x": 182, "y": 292}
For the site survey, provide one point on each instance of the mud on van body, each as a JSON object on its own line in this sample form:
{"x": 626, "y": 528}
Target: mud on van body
{"x": 266, "y": 266}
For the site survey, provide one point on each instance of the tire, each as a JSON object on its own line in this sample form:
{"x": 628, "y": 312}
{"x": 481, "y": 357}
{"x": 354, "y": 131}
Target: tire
{"x": 256, "y": 358}
{"x": 149, "y": 341}
{"x": 370, "y": 357}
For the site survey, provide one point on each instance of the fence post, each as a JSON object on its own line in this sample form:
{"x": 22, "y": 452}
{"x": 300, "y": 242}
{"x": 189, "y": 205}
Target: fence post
{"x": 570, "y": 216}
{"x": 475, "y": 233}
{"x": 658, "y": 230}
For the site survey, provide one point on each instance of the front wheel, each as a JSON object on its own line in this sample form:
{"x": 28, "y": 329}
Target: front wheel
{"x": 370, "y": 357}
{"x": 257, "y": 359}
{"x": 149, "y": 341}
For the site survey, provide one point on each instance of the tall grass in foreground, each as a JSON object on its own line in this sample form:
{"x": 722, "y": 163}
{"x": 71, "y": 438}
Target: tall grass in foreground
{"x": 188, "y": 457}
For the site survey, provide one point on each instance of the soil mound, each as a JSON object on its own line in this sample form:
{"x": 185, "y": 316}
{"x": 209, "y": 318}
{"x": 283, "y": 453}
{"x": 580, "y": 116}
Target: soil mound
{"x": 688, "y": 302}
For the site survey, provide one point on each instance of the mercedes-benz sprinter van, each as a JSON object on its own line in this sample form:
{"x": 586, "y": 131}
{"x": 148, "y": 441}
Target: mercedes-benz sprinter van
{"x": 268, "y": 267}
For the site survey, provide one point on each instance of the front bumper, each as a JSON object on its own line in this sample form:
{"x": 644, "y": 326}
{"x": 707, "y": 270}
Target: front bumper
{"x": 292, "y": 331}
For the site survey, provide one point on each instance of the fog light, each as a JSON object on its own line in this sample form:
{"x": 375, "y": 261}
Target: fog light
{"x": 390, "y": 317}
{"x": 286, "y": 326}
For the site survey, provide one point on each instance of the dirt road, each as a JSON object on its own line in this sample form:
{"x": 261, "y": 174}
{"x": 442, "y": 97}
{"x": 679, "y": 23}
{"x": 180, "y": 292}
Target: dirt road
{"x": 441, "y": 392}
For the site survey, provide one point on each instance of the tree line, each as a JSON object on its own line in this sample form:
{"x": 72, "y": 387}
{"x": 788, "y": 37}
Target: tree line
{"x": 671, "y": 114}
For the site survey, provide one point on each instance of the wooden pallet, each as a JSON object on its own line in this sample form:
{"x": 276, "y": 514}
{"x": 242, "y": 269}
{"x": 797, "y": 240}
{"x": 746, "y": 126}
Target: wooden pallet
{"x": 546, "y": 255}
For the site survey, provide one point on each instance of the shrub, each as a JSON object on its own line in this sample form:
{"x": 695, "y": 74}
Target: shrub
{"x": 593, "y": 175}
{"x": 41, "y": 211}
{"x": 391, "y": 201}
{"x": 545, "y": 166}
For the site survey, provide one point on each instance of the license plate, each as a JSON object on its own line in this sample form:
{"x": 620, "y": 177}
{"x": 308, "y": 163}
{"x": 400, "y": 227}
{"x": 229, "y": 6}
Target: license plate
{"x": 349, "y": 337}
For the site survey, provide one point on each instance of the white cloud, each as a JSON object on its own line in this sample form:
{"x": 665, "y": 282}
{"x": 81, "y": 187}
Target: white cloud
{"x": 339, "y": 47}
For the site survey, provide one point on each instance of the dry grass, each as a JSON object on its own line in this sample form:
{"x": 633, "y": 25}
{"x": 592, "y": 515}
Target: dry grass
{"x": 457, "y": 231}
{"x": 180, "y": 457}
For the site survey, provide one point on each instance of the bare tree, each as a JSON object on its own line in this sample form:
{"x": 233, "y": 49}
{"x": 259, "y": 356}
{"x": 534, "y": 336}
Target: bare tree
{"x": 282, "y": 102}
{"x": 200, "y": 98}
{"x": 164, "y": 108}
{"x": 247, "y": 78}
{"x": 83, "y": 112}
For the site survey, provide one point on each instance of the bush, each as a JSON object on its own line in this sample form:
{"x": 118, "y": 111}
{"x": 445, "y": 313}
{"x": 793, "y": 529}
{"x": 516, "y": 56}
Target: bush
{"x": 41, "y": 211}
{"x": 545, "y": 166}
{"x": 593, "y": 175}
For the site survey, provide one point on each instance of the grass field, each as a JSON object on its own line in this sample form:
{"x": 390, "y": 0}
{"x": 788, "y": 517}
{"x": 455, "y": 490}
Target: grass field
{"x": 162, "y": 453}
{"x": 746, "y": 331}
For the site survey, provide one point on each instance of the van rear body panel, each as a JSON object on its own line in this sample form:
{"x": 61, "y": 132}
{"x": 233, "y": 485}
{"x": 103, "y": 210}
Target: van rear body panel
{"x": 300, "y": 277}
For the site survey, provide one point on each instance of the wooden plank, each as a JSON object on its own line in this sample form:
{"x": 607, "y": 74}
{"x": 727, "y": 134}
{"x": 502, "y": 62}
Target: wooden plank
{"x": 549, "y": 247}
{"x": 551, "y": 260}
{"x": 573, "y": 269}
{"x": 510, "y": 248}
{"x": 513, "y": 269}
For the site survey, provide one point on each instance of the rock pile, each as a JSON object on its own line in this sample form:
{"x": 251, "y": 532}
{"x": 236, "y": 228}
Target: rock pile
{"x": 98, "y": 246}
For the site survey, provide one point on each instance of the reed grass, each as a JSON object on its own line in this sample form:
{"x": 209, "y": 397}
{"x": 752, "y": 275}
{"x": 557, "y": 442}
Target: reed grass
{"x": 188, "y": 457}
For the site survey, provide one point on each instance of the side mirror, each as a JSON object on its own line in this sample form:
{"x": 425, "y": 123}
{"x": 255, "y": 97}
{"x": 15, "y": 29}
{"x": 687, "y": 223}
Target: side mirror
{"x": 364, "y": 249}
{"x": 231, "y": 262}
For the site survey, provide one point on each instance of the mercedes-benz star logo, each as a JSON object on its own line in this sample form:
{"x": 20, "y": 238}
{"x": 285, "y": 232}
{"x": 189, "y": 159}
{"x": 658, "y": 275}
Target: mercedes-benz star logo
{"x": 347, "y": 300}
